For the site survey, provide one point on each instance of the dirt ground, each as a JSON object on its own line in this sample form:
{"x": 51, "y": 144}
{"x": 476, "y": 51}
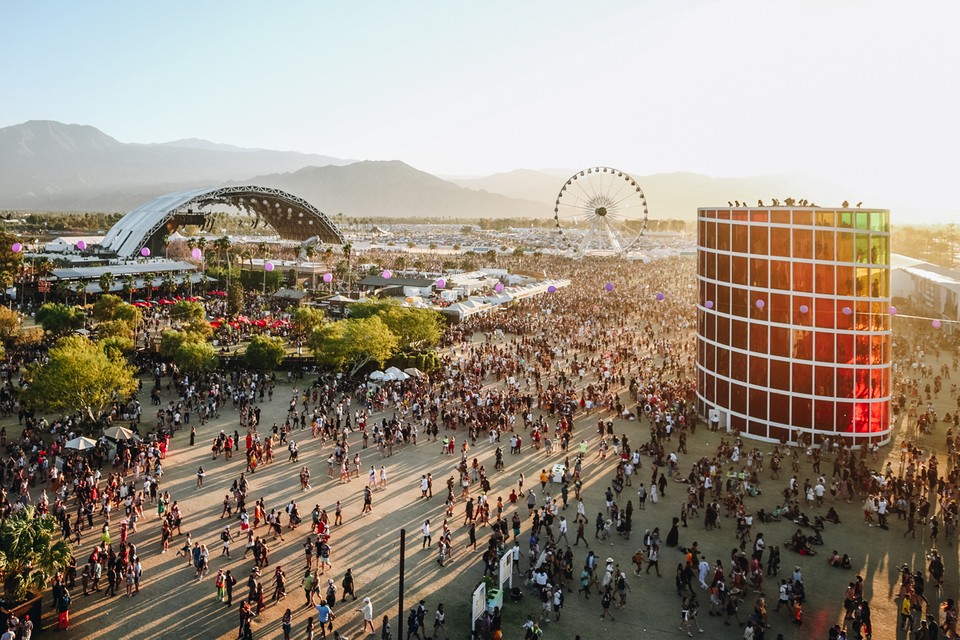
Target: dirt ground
{"x": 173, "y": 603}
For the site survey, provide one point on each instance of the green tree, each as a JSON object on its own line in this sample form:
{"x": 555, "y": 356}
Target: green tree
{"x": 195, "y": 357}
{"x": 186, "y": 311}
{"x": 114, "y": 328}
{"x": 10, "y": 262}
{"x": 59, "y": 319}
{"x": 234, "y": 298}
{"x": 265, "y": 353}
{"x": 306, "y": 320}
{"x": 414, "y": 328}
{"x": 31, "y": 552}
{"x": 116, "y": 346}
{"x": 105, "y": 308}
{"x": 79, "y": 375}
{"x": 10, "y": 322}
{"x": 354, "y": 342}
{"x": 106, "y": 281}
{"x": 171, "y": 341}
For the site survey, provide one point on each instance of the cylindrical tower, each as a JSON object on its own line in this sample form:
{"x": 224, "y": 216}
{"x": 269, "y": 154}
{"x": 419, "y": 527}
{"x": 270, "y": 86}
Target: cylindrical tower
{"x": 793, "y": 324}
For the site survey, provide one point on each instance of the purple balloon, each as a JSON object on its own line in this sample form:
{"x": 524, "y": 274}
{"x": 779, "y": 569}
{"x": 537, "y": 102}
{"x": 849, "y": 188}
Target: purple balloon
{"x": 81, "y": 245}
{"x": 804, "y": 308}
{"x": 328, "y": 277}
{"x": 936, "y": 324}
{"x": 551, "y": 289}
{"x": 196, "y": 253}
{"x": 660, "y": 296}
{"x": 268, "y": 266}
{"x": 708, "y": 304}
{"x": 16, "y": 247}
{"x": 386, "y": 274}
{"x": 441, "y": 284}
{"x": 145, "y": 252}
{"x": 892, "y": 310}
{"x": 760, "y": 304}
{"x": 499, "y": 287}
{"x": 608, "y": 286}
{"x": 847, "y": 311}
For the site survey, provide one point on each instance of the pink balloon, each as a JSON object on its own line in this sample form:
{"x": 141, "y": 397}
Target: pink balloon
{"x": 936, "y": 324}
{"x": 708, "y": 304}
{"x": 847, "y": 311}
{"x": 16, "y": 247}
{"x": 551, "y": 289}
{"x": 328, "y": 277}
{"x": 386, "y": 274}
{"x": 892, "y": 310}
{"x": 499, "y": 287}
{"x": 81, "y": 245}
{"x": 196, "y": 253}
{"x": 608, "y": 286}
{"x": 268, "y": 266}
{"x": 441, "y": 284}
{"x": 804, "y": 308}
{"x": 145, "y": 251}
{"x": 660, "y": 296}
{"x": 760, "y": 304}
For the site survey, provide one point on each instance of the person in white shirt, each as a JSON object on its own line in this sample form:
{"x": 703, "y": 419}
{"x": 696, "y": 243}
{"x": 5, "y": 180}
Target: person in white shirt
{"x": 427, "y": 538}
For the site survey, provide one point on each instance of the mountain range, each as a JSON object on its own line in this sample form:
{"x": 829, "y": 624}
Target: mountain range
{"x": 47, "y": 165}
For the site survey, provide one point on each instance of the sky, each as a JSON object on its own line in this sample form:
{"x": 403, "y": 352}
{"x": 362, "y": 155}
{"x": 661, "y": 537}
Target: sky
{"x": 861, "y": 93}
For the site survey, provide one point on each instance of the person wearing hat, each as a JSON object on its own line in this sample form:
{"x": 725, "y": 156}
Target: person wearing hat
{"x": 367, "y": 611}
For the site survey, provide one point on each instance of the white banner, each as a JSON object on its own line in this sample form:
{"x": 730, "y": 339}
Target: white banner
{"x": 479, "y": 604}
{"x": 506, "y": 569}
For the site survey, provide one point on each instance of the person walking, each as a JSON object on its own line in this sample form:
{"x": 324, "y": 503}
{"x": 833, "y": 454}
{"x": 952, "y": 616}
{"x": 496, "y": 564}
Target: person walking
{"x": 367, "y": 611}
{"x": 427, "y": 538}
{"x": 438, "y": 622}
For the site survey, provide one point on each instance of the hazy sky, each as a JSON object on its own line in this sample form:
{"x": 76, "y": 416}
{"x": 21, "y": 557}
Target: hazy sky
{"x": 863, "y": 93}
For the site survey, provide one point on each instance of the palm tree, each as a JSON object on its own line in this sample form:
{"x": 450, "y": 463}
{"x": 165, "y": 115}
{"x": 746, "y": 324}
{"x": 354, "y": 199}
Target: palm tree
{"x": 129, "y": 286}
{"x": 30, "y": 554}
{"x": 106, "y": 281}
{"x": 166, "y": 246}
{"x": 347, "y": 253}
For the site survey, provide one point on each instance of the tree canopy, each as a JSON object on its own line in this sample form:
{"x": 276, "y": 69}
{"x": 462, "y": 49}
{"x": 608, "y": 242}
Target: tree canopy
{"x": 353, "y": 342}
{"x": 59, "y": 319}
{"x": 414, "y": 328}
{"x": 31, "y": 552}
{"x": 79, "y": 376}
{"x": 195, "y": 357}
{"x": 306, "y": 320}
{"x": 264, "y": 353}
{"x": 10, "y": 322}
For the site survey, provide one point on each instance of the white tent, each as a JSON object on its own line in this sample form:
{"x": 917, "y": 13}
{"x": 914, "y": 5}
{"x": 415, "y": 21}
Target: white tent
{"x": 81, "y": 444}
{"x": 394, "y": 374}
{"x": 377, "y": 375}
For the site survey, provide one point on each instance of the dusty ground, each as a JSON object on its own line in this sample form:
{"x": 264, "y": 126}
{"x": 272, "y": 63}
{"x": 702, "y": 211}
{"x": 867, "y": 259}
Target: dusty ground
{"x": 173, "y": 603}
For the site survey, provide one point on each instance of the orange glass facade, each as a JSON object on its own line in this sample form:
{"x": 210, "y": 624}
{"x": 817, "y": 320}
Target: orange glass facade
{"x": 793, "y": 328}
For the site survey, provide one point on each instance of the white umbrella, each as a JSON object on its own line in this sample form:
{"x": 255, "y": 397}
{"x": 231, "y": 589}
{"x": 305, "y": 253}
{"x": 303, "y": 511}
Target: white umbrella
{"x": 118, "y": 433}
{"x": 81, "y": 444}
{"x": 377, "y": 375}
{"x": 394, "y": 374}
{"x": 414, "y": 372}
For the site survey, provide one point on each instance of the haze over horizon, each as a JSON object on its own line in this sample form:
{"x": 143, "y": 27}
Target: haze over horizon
{"x": 858, "y": 93}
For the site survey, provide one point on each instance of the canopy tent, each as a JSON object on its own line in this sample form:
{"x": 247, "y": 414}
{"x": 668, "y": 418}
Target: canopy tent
{"x": 413, "y": 372}
{"x": 81, "y": 444}
{"x": 394, "y": 373}
{"x": 118, "y": 433}
{"x": 377, "y": 375}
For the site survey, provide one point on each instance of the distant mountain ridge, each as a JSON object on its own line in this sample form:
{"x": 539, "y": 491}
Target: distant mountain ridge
{"x": 48, "y": 165}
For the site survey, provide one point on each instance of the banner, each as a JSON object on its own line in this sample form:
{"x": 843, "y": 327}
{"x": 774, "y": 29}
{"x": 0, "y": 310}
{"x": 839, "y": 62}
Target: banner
{"x": 479, "y": 604}
{"x": 506, "y": 569}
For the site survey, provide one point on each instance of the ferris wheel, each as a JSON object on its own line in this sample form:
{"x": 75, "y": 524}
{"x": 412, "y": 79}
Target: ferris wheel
{"x": 600, "y": 211}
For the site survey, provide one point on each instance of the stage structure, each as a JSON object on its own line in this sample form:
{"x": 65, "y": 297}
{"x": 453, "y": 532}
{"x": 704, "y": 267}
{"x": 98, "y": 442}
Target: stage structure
{"x": 146, "y": 226}
{"x": 793, "y": 323}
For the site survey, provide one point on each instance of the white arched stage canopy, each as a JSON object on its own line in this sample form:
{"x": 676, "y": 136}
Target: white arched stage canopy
{"x": 293, "y": 218}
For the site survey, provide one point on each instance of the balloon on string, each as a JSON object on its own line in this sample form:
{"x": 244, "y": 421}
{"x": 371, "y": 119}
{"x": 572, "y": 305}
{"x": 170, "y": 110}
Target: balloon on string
{"x": 81, "y": 245}
{"x": 847, "y": 311}
{"x": 268, "y": 266}
{"x": 804, "y": 308}
{"x": 660, "y": 296}
{"x": 196, "y": 253}
{"x": 708, "y": 304}
{"x": 386, "y": 274}
{"x": 608, "y": 286}
{"x": 935, "y": 324}
{"x": 499, "y": 287}
{"x": 145, "y": 252}
{"x": 328, "y": 278}
{"x": 760, "y": 304}
{"x": 441, "y": 284}
{"x": 892, "y": 310}
{"x": 551, "y": 289}
{"x": 16, "y": 247}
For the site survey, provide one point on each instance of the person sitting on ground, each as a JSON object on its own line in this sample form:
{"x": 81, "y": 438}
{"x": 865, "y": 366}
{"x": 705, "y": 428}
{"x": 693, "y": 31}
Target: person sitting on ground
{"x": 845, "y": 562}
{"x": 834, "y": 559}
{"x": 833, "y": 516}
